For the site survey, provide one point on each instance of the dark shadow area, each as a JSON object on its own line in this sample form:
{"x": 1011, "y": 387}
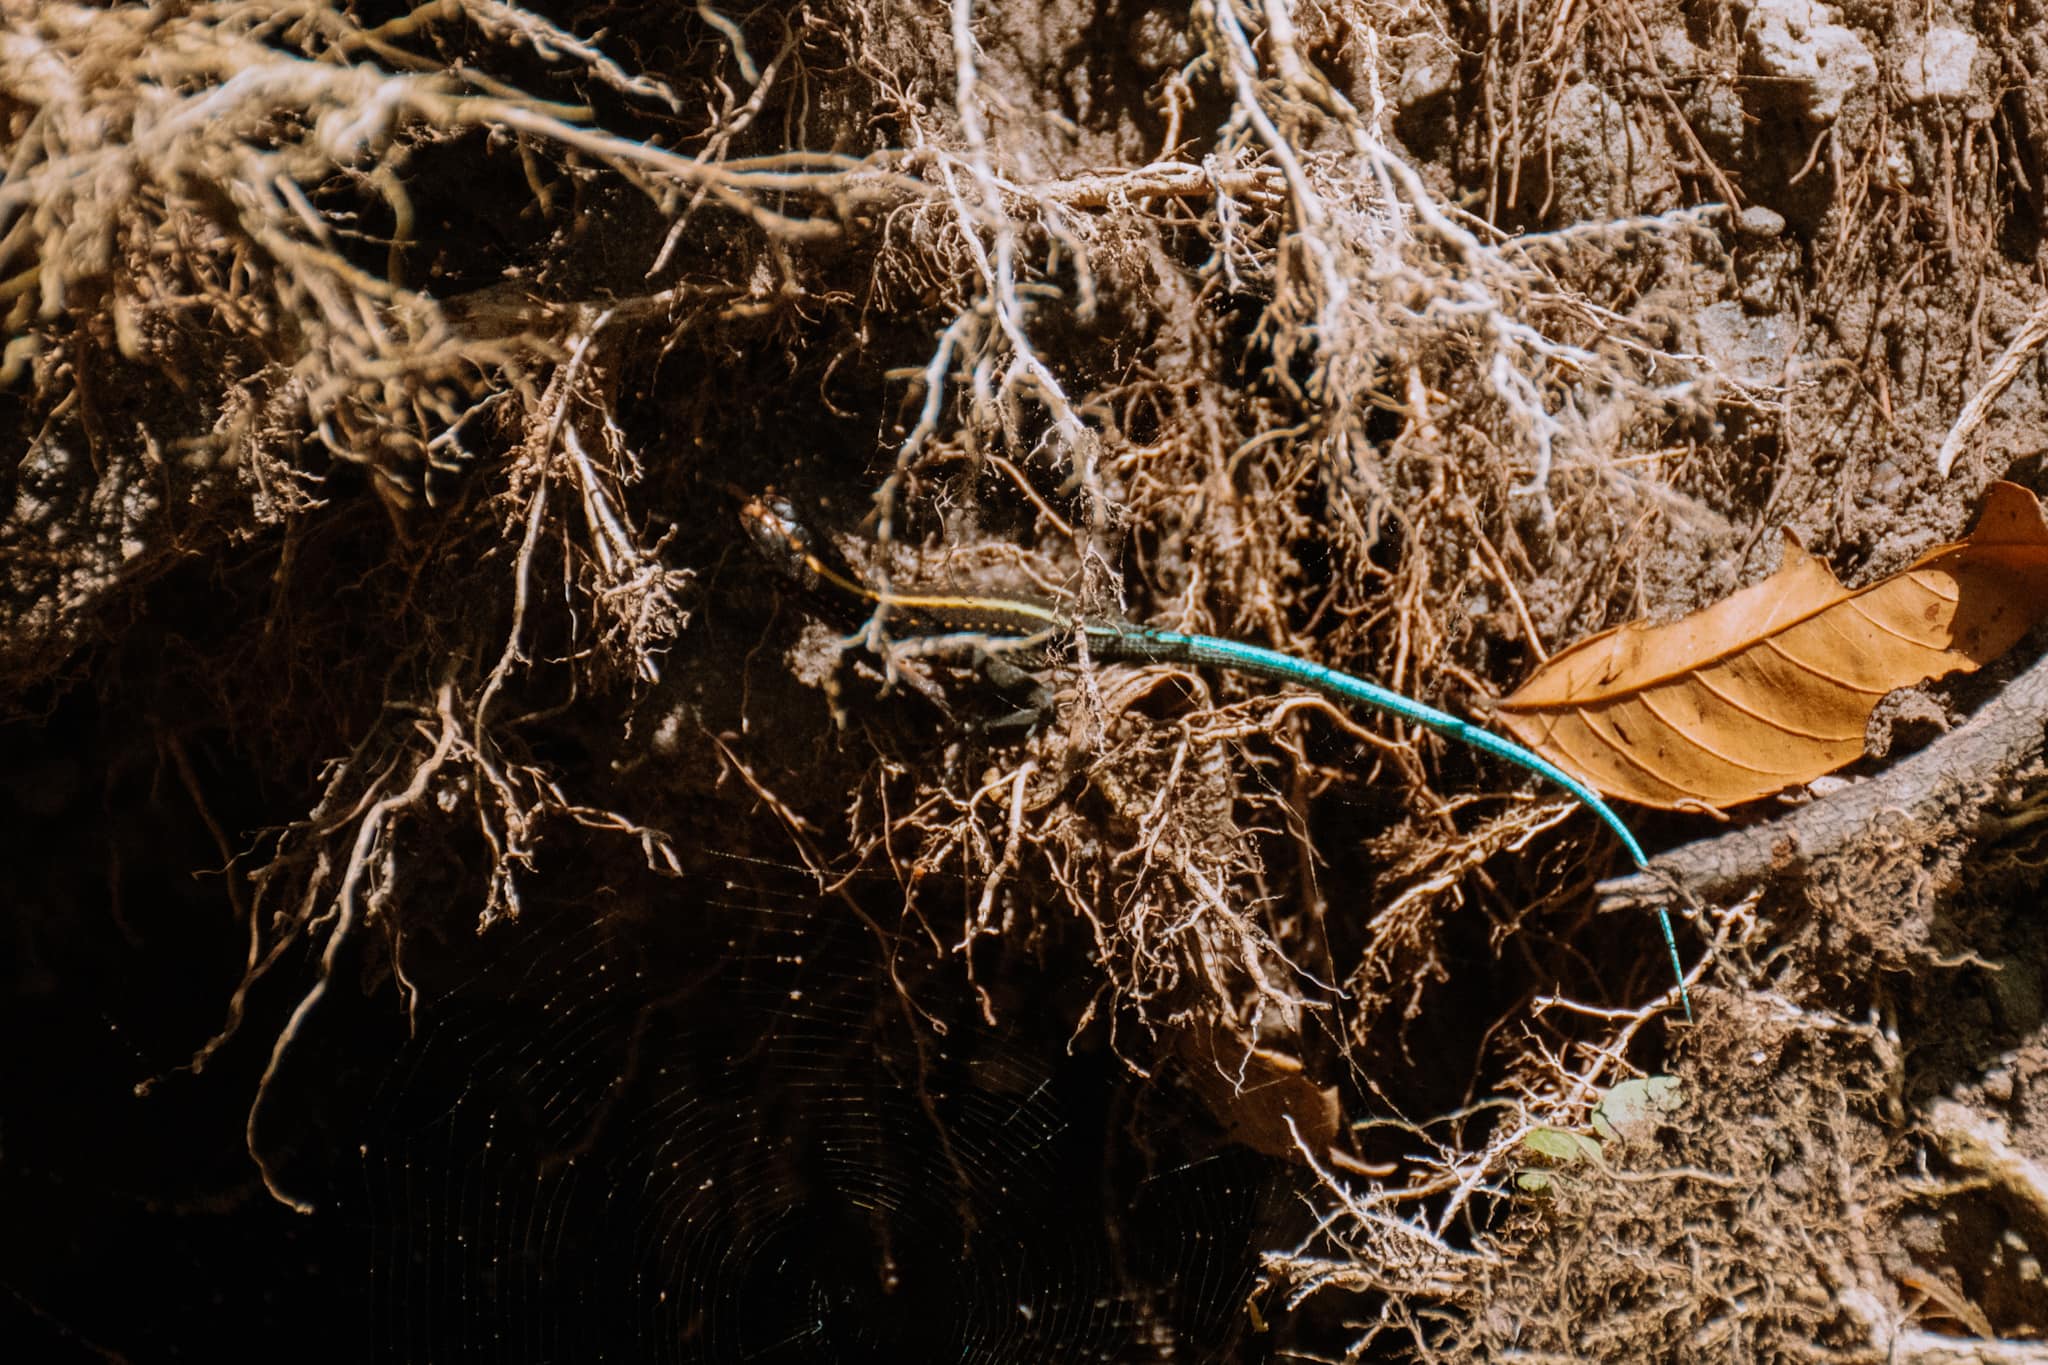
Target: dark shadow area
{"x": 714, "y": 1131}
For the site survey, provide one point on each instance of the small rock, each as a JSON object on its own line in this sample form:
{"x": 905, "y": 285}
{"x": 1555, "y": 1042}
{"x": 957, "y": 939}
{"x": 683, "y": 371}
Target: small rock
{"x": 1758, "y": 221}
{"x": 1998, "y": 1085}
{"x": 1939, "y": 67}
{"x": 1798, "y": 41}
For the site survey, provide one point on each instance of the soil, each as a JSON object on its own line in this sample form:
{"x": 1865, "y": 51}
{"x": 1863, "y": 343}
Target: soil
{"x": 463, "y": 901}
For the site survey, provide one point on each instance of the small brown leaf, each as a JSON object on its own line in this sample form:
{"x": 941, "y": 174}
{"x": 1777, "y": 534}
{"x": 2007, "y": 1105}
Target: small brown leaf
{"x": 1253, "y": 1094}
{"x": 1774, "y": 686}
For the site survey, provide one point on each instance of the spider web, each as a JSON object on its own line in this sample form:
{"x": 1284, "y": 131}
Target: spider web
{"x": 717, "y": 1131}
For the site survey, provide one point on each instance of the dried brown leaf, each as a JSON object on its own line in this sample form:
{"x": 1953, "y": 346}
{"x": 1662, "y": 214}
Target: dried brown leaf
{"x": 1774, "y": 686}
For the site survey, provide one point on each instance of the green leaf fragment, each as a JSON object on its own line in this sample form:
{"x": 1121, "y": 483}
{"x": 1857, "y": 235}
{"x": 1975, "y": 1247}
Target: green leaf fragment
{"x": 1632, "y": 1110}
{"x": 1556, "y": 1145}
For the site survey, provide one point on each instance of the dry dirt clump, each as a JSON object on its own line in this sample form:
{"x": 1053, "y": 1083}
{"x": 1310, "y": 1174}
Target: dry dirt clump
{"x": 383, "y": 385}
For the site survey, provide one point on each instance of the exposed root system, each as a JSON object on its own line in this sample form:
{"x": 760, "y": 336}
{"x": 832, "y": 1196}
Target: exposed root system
{"x": 380, "y": 382}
